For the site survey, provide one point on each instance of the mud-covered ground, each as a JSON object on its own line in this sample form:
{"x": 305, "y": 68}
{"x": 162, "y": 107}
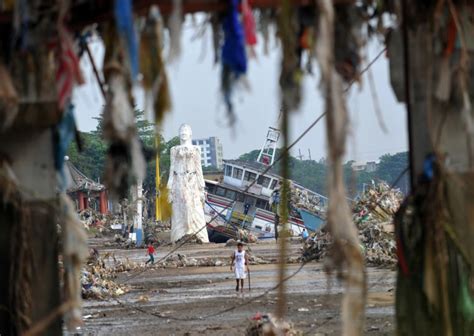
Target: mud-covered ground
{"x": 203, "y": 301}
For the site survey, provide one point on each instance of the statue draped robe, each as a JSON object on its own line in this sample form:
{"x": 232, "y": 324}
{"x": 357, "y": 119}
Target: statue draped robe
{"x": 187, "y": 194}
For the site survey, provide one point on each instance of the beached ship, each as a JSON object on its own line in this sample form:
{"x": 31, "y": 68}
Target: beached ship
{"x": 241, "y": 202}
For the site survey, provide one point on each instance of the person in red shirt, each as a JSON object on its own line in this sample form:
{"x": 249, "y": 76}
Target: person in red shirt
{"x": 150, "y": 252}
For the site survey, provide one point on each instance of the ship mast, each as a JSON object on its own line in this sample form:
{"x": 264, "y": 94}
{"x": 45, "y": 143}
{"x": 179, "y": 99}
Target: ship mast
{"x": 268, "y": 151}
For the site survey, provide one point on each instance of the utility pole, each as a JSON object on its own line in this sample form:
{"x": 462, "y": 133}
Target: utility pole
{"x": 301, "y": 155}
{"x": 158, "y": 214}
{"x": 309, "y": 154}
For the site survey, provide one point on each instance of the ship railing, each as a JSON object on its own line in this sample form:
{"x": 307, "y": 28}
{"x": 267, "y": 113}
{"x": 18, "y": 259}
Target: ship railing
{"x": 227, "y": 201}
{"x": 242, "y": 217}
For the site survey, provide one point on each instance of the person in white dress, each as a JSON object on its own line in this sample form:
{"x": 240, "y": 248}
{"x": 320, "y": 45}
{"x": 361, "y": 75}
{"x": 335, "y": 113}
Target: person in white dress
{"x": 186, "y": 189}
{"x": 241, "y": 261}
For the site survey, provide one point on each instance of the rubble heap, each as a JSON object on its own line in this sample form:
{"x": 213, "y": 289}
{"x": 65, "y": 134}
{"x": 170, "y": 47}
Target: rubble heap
{"x": 188, "y": 239}
{"x": 266, "y": 325}
{"x": 98, "y": 281}
{"x": 302, "y": 199}
{"x": 373, "y": 215}
{"x": 247, "y": 236}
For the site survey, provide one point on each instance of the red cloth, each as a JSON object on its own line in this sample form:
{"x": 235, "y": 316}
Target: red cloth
{"x": 248, "y": 23}
{"x": 151, "y": 250}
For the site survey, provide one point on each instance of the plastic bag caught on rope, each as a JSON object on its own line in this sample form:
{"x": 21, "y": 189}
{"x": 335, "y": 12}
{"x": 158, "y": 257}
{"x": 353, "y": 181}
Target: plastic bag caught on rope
{"x": 234, "y": 59}
{"x": 75, "y": 253}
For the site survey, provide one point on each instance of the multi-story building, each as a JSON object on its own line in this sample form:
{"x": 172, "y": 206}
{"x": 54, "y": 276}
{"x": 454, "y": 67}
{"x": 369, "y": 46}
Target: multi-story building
{"x": 211, "y": 152}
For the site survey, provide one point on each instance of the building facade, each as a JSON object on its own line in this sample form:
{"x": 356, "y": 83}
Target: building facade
{"x": 211, "y": 152}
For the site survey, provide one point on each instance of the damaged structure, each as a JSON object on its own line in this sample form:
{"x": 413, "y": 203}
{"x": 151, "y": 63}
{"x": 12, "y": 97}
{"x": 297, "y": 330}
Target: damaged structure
{"x": 86, "y": 193}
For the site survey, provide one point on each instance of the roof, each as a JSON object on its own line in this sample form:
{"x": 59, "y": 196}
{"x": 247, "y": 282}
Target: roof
{"x": 79, "y": 181}
{"x": 254, "y": 165}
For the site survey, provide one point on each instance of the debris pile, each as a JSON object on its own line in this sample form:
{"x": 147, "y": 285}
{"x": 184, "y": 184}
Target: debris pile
{"x": 247, "y": 236}
{"x": 373, "y": 214}
{"x": 98, "y": 281}
{"x": 266, "y": 325}
{"x": 93, "y": 219}
{"x": 188, "y": 239}
{"x": 303, "y": 199}
{"x": 181, "y": 260}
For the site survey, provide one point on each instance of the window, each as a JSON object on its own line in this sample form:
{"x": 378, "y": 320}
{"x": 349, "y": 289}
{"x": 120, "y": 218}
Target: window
{"x": 211, "y": 189}
{"x": 228, "y": 170}
{"x": 230, "y": 194}
{"x": 261, "y": 204}
{"x": 237, "y": 174}
{"x": 249, "y": 176}
{"x": 220, "y": 191}
{"x": 240, "y": 197}
{"x": 264, "y": 181}
{"x": 274, "y": 183}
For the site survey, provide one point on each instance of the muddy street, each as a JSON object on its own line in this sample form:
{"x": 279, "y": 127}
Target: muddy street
{"x": 203, "y": 300}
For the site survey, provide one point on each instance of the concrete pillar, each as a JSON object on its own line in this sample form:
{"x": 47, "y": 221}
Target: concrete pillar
{"x": 138, "y": 218}
{"x": 80, "y": 198}
{"x": 103, "y": 202}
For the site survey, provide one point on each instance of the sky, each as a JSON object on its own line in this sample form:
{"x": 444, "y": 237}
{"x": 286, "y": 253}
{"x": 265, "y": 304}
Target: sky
{"x": 194, "y": 84}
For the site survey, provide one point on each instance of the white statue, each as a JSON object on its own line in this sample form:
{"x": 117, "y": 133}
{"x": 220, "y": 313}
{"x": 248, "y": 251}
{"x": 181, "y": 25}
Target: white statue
{"x": 186, "y": 189}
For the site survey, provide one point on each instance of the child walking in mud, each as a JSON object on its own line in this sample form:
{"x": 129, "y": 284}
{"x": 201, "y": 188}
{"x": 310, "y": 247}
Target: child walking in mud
{"x": 241, "y": 261}
{"x": 150, "y": 252}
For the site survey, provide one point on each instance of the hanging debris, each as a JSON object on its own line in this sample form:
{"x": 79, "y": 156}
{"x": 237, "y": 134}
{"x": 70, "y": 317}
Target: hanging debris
{"x": 217, "y": 36}
{"x": 153, "y": 70}
{"x": 68, "y": 71}
{"x": 128, "y": 37}
{"x": 125, "y": 161}
{"x": 290, "y": 75}
{"x": 234, "y": 59}
{"x": 175, "y": 27}
{"x": 248, "y": 22}
{"x": 347, "y": 257}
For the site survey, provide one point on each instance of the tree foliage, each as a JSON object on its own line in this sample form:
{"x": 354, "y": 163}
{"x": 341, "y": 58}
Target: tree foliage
{"x": 91, "y": 160}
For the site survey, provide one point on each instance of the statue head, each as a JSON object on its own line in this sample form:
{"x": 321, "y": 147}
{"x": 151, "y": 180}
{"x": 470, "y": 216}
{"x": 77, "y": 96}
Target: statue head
{"x": 185, "y": 134}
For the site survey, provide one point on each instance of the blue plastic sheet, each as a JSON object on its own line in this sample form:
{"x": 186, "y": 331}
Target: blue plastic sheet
{"x": 124, "y": 20}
